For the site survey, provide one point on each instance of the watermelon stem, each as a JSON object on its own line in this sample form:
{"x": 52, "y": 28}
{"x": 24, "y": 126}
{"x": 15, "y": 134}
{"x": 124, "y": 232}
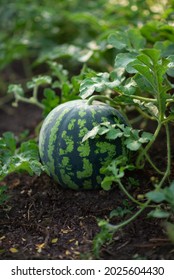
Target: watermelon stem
{"x": 128, "y": 194}
{"x": 106, "y": 98}
{"x": 101, "y": 98}
{"x": 126, "y": 222}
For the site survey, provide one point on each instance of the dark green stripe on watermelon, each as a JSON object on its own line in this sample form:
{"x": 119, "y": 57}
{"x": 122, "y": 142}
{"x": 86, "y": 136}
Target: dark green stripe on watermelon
{"x": 69, "y": 161}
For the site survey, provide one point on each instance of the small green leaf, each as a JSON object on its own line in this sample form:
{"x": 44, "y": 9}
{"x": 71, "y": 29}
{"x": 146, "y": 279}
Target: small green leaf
{"x": 84, "y": 55}
{"x": 3, "y": 194}
{"x": 121, "y": 62}
{"x": 98, "y": 83}
{"x": 129, "y": 87}
{"x": 152, "y": 109}
{"x": 103, "y": 130}
{"x": 158, "y": 213}
{"x": 118, "y": 40}
{"x": 114, "y": 133}
{"x": 103, "y": 236}
{"x": 170, "y": 70}
{"x": 130, "y": 39}
{"x": 58, "y": 71}
{"x": 127, "y": 131}
{"x": 107, "y": 182}
{"x": 132, "y": 145}
{"x": 156, "y": 196}
{"x": 10, "y": 141}
{"x": 91, "y": 134}
{"x": 137, "y": 41}
{"x": 169, "y": 194}
{"x": 38, "y": 81}
{"x": 16, "y": 89}
{"x": 145, "y": 137}
{"x": 119, "y": 212}
{"x": 50, "y": 101}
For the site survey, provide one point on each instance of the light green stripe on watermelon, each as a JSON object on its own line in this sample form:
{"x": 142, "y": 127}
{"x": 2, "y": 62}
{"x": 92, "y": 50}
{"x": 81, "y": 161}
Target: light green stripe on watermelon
{"x": 67, "y": 180}
{"x": 50, "y": 118}
{"x": 81, "y": 123}
{"x": 93, "y": 112}
{"x": 103, "y": 147}
{"x": 84, "y": 150}
{"x": 43, "y": 135}
{"x": 71, "y": 124}
{"x": 53, "y": 136}
{"x": 68, "y": 141}
{"x": 61, "y": 152}
{"x": 104, "y": 119}
{"x": 108, "y": 149}
{"x": 65, "y": 163}
{"x": 82, "y": 113}
{"x": 87, "y": 169}
{"x": 83, "y": 131}
{"x": 66, "y": 176}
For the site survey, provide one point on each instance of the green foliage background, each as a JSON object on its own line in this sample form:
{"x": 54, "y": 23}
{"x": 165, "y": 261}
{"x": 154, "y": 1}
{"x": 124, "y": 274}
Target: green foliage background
{"x": 35, "y": 31}
{"x": 53, "y": 45}
{"x": 51, "y": 50}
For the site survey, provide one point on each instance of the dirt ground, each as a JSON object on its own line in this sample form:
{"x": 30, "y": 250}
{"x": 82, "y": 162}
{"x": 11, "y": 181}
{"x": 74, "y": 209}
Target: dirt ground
{"x": 43, "y": 221}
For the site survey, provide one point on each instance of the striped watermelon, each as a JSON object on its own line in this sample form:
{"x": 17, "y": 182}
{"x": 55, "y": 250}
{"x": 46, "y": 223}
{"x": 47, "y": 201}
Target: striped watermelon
{"x": 70, "y": 162}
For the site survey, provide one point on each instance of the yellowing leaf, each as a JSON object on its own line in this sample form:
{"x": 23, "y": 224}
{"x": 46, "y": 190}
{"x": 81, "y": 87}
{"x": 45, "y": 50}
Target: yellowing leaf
{"x": 76, "y": 253}
{"x": 66, "y": 230}
{"x": 54, "y": 240}
{"x": 2, "y": 237}
{"x": 71, "y": 240}
{"x": 67, "y": 253}
{"x": 39, "y": 247}
{"x": 13, "y": 250}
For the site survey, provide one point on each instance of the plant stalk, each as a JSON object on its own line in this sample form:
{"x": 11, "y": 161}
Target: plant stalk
{"x": 148, "y": 146}
{"x": 101, "y": 98}
{"x": 116, "y": 227}
{"x": 128, "y": 194}
{"x": 30, "y": 101}
{"x": 168, "y": 169}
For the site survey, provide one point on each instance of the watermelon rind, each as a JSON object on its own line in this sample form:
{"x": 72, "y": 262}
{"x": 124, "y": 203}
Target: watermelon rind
{"x": 71, "y": 162}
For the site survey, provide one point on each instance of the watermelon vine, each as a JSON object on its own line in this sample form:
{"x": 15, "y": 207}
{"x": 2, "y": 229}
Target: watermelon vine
{"x": 87, "y": 140}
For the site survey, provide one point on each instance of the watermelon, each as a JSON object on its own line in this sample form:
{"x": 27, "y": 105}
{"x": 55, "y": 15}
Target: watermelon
{"x": 72, "y": 163}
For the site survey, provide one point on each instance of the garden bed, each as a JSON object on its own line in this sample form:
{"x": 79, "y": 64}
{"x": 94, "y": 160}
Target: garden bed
{"x": 41, "y": 220}
{"x": 120, "y": 53}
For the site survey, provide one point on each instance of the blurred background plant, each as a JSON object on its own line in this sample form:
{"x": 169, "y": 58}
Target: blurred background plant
{"x": 31, "y": 33}
{"x": 48, "y": 47}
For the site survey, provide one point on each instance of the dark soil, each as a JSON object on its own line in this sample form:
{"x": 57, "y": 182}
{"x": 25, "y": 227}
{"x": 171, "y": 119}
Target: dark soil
{"x": 43, "y": 221}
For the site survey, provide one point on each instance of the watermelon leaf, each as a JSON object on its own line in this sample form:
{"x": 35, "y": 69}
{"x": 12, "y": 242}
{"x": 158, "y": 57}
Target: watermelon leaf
{"x": 3, "y": 194}
{"x": 39, "y": 81}
{"x": 132, "y": 138}
{"x": 50, "y": 100}
{"x": 22, "y": 159}
{"x": 98, "y": 83}
{"x": 131, "y": 40}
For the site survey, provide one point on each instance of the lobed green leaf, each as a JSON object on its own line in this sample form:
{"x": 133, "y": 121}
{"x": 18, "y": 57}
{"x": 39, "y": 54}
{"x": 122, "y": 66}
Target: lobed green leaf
{"x": 22, "y": 159}
{"x": 38, "y": 81}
